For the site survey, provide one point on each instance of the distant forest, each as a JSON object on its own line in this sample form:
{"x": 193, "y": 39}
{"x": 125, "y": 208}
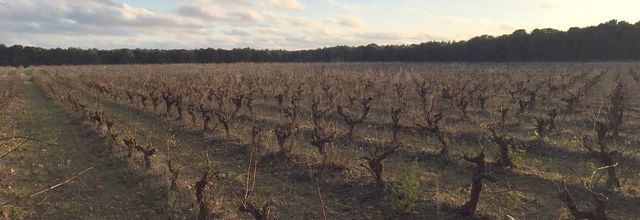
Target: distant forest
{"x": 610, "y": 41}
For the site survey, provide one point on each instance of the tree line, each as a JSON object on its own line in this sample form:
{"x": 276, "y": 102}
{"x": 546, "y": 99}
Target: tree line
{"x": 609, "y": 41}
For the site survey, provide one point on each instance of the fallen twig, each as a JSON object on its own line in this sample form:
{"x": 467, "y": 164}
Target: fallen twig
{"x": 49, "y": 188}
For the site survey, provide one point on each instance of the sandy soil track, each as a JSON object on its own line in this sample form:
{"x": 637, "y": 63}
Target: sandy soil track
{"x": 108, "y": 191}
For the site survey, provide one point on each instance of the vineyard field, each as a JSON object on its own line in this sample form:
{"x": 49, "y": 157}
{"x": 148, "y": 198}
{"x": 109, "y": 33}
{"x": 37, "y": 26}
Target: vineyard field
{"x": 321, "y": 141}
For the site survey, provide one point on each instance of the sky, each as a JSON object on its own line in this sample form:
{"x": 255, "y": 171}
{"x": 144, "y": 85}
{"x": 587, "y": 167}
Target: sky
{"x": 287, "y": 24}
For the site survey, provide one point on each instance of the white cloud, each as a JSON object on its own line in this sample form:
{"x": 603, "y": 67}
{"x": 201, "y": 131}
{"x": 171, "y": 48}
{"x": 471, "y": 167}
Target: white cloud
{"x": 210, "y": 23}
{"x": 553, "y": 4}
{"x": 346, "y": 6}
{"x": 350, "y": 21}
{"x": 286, "y": 4}
{"x": 405, "y": 9}
{"x": 235, "y": 2}
{"x": 208, "y": 12}
{"x": 247, "y": 16}
{"x": 237, "y": 32}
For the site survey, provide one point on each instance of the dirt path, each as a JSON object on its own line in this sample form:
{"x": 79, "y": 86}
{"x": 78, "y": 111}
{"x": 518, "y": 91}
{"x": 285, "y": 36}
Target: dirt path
{"x": 108, "y": 191}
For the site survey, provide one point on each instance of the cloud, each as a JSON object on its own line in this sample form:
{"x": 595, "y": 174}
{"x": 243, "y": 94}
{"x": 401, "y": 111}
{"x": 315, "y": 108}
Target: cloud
{"x": 76, "y": 14}
{"x": 209, "y": 12}
{"x": 271, "y": 32}
{"x": 286, "y": 4}
{"x": 346, "y": 6}
{"x": 553, "y": 4}
{"x": 209, "y": 23}
{"x": 396, "y": 36}
{"x": 108, "y": 24}
{"x": 113, "y": 14}
{"x": 235, "y": 2}
{"x": 303, "y": 22}
{"x": 242, "y": 16}
{"x": 405, "y": 9}
{"x": 350, "y": 21}
{"x": 273, "y": 24}
{"x": 99, "y": 23}
{"x": 237, "y": 32}
{"x": 247, "y": 16}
